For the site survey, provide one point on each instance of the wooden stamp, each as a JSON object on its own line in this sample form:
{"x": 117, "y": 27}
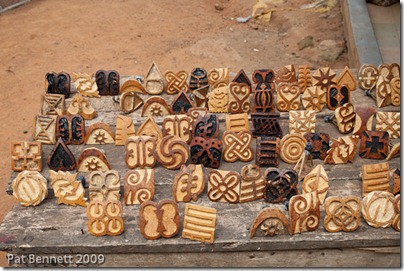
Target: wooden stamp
{"x": 218, "y": 100}
{"x": 304, "y": 212}
{"x": 224, "y": 186}
{"x": 314, "y": 98}
{"x": 394, "y": 70}
{"x": 206, "y": 151}
{"x": 155, "y": 106}
{"x": 81, "y": 106}
{"x": 199, "y": 223}
{"x": 61, "y": 158}
{"x": 150, "y": 128}
{"x": 188, "y": 183}
{"x": 342, "y": 214}
{"x": 124, "y": 129}
{"x": 316, "y": 180}
{"x": 347, "y": 79}
{"x": 68, "y": 189}
{"x": 395, "y": 91}
{"x": 390, "y": 122}
{"x": 270, "y": 222}
{"x": 267, "y": 151}
{"x": 198, "y": 79}
{"x": 159, "y": 219}
{"x": 132, "y": 85}
{"x": 71, "y": 129}
{"x": 237, "y": 146}
{"x": 383, "y": 92}
{"x": 52, "y": 104}
{"x": 367, "y": 76}
{"x": 107, "y": 82}
{"x": 172, "y": 152}
{"x": 92, "y": 159}
{"x": 218, "y": 77}
{"x": 292, "y": 147}
{"x": 375, "y": 177}
{"x": 200, "y": 96}
{"x": 280, "y": 185}
{"x": 397, "y": 218}
{"x": 154, "y": 80}
{"x": 263, "y": 101}
{"x": 288, "y": 97}
{"x": 241, "y": 77}
{"x": 252, "y": 183}
{"x": 207, "y": 126}
{"x": 196, "y": 112}
{"x": 138, "y": 186}
{"x": 394, "y": 151}
{"x": 129, "y": 102}
{"x": 45, "y": 128}
{"x": 104, "y": 186}
{"x": 342, "y": 150}
{"x": 264, "y": 79}
{"x": 29, "y": 188}
{"x": 396, "y": 181}
{"x": 181, "y": 103}
{"x": 363, "y": 115}
{"x": 176, "y": 82}
{"x": 239, "y": 98}
{"x": 374, "y": 145}
{"x": 85, "y": 85}
{"x": 178, "y": 125}
{"x": 345, "y": 118}
{"x": 99, "y": 133}
{"x": 140, "y": 152}
{"x": 386, "y": 70}
{"x": 237, "y": 122}
{"x": 319, "y": 143}
{"x": 266, "y": 124}
{"x": 304, "y": 78}
{"x": 58, "y": 83}
{"x": 105, "y": 218}
{"x": 302, "y": 121}
{"x": 324, "y": 78}
{"x": 286, "y": 74}
{"x": 26, "y": 156}
{"x": 378, "y": 209}
{"x": 337, "y": 96}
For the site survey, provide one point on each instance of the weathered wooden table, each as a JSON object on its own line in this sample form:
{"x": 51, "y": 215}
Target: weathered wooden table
{"x": 36, "y": 236}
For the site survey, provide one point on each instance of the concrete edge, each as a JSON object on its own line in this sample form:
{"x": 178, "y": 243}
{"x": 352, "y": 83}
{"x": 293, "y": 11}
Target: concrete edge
{"x": 23, "y": 2}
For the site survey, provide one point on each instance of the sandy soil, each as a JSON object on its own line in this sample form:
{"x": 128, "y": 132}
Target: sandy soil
{"x": 125, "y": 35}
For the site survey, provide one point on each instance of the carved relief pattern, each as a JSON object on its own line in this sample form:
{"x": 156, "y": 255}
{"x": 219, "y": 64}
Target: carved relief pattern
{"x": 107, "y": 82}
{"x": 154, "y": 83}
{"x": 239, "y": 98}
{"x": 129, "y": 102}
{"x": 264, "y": 79}
{"x": 206, "y": 151}
{"x": 270, "y": 222}
{"x": 150, "y": 128}
{"x": 280, "y": 185}
{"x": 252, "y": 183}
{"x": 292, "y": 147}
{"x": 288, "y": 97}
{"x": 395, "y": 91}
{"x": 378, "y": 209}
{"x": 302, "y": 122}
{"x": 188, "y": 183}
{"x": 178, "y": 125}
{"x": 92, "y": 159}
{"x": 314, "y": 98}
{"x": 61, "y": 158}
{"x": 266, "y": 124}
{"x": 390, "y": 122}
{"x": 224, "y": 186}
{"x": 71, "y": 129}
{"x": 26, "y": 155}
{"x": 155, "y": 107}
{"x": 218, "y": 77}
{"x": 172, "y": 152}
{"x": 140, "y": 152}
{"x": 383, "y": 92}
{"x": 29, "y": 188}
{"x": 375, "y": 177}
{"x": 85, "y": 85}
{"x": 124, "y": 129}
{"x": 105, "y": 218}
{"x": 176, "y": 82}
{"x": 320, "y": 144}
{"x": 104, "y": 185}
{"x": 199, "y": 223}
{"x": 237, "y": 122}
{"x": 342, "y": 150}
{"x": 316, "y": 180}
{"x": 198, "y": 79}
{"x": 206, "y": 126}
{"x": 304, "y": 78}
{"x": 345, "y": 117}
{"x": 58, "y": 83}
{"x": 139, "y": 186}
{"x": 342, "y": 214}
{"x": 81, "y": 106}
{"x": 68, "y": 189}
{"x": 218, "y": 100}
{"x": 286, "y": 74}
{"x": 397, "y": 218}
{"x": 181, "y": 103}
{"x": 263, "y": 101}
{"x": 99, "y": 133}
{"x": 337, "y": 96}
{"x": 367, "y": 76}
{"x": 237, "y": 146}
{"x": 267, "y": 151}
{"x": 374, "y": 145}
{"x": 52, "y": 104}
{"x": 324, "y": 77}
{"x": 304, "y": 212}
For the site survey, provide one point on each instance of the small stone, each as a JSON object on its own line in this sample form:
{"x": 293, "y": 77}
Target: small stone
{"x": 305, "y": 42}
{"x": 219, "y": 6}
{"x": 332, "y": 50}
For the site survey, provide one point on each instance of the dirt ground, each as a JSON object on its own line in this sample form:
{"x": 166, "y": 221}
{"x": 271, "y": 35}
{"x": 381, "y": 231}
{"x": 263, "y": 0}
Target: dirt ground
{"x": 127, "y": 36}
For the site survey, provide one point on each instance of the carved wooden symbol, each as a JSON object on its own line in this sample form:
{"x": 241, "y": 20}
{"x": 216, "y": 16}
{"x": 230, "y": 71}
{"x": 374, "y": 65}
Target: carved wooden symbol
{"x": 270, "y": 222}
{"x": 394, "y": 151}
{"x": 196, "y": 112}
{"x": 224, "y": 186}
{"x": 26, "y": 156}
{"x": 304, "y": 79}
{"x": 337, "y": 96}
{"x": 241, "y": 77}
{"x": 104, "y": 185}
{"x": 237, "y": 146}
{"x": 105, "y": 218}
{"x": 58, "y": 83}
{"x": 124, "y": 129}
{"x": 362, "y": 123}
{"x": 61, "y": 158}
{"x": 395, "y": 91}
{"x": 154, "y": 80}
{"x": 252, "y": 183}
{"x": 81, "y": 106}
{"x": 288, "y": 97}
{"x": 198, "y": 79}
{"x": 316, "y": 180}
{"x": 150, "y": 128}
{"x": 397, "y": 218}
{"x": 139, "y": 186}
{"x": 188, "y": 183}
{"x": 302, "y": 121}
{"x": 239, "y": 98}
{"x": 314, "y": 98}
{"x": 345, "y": 118}
{"x": 200, "y": 96}
{"x": 29, "y": 188}
{"x": 304, "y": 212}
{"x": 374, "y": 145}
{"x": 266, "y": 124}
{"x": 286, "y": 74}
{"x": 264, "y": 79}
{"x": 375, "y": 177}
{"x": 178, "y": 125}
{"x": 280, "y": 185}
{"x": 396, "y": 181}
{"x": 140, "y": 152}
{"x": 172, "y": 152}
{"x": 159, "y": 219}
{"x": 378, "y": 209}
{"x": 342, "y": 214}
{"x": 342, "y": 150}
{"x": 45, "y": 126}
{"x": 181, "y": 103}
{"x": 132, "y": 85}
{"x": 237, "y": 122}
{"x": 218, "y": 100}
{"x": 85, "y": 85}
{"x": 292, "y": 147}
{"x": 68, "y": 189}
{"x": 320, "y": 143}
{"x": 263, "y": 101}
{"x": 324, "y": 78}
{"x": 129, "y": 102}
{"x": 218, "y": 77}
{"x": 52, "y": 104}
{"x": 390, "y": 122}
{"x": 207, "y": 152}
{"x": 107, "y": 82}
{"x": 267, "y": 151}
{"x": 71, "y": 129}
{"x": 176, "y": 82}
{"x": 155, "y": 107}
{"x": 383, "y": 92}
{"x": 207, "y": 126}
{"x": 199, "y": 223}
{"x": 367, "y": 76}
{"x": 92, "y": 159}
{"x": 99, "y": 133}
{"x": 394, "y": 70}
{"x": 386, "y": 70}
{"x": 347, "y": 79}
